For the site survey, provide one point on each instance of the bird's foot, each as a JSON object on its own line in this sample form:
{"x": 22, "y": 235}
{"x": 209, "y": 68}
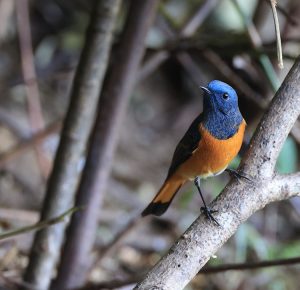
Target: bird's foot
{"x": 209, "y": 214}
{"x": 238, "y": 175}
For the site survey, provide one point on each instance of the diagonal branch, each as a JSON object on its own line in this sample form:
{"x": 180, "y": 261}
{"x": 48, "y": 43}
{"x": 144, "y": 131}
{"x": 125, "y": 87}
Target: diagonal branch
{"x": 239, "y": 200}
{"x": 38, "y": 226}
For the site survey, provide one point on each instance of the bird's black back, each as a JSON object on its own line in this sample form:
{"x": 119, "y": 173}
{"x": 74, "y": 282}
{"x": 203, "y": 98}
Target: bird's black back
{"x": 186, "y": 145}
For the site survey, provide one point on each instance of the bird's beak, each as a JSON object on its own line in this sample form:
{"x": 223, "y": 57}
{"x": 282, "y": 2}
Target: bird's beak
{"x": 205, "y": 90}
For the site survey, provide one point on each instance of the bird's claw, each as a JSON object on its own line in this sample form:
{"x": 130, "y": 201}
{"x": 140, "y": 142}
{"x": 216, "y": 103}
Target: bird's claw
{"x": 238, "y": 175}
{"x": 209, "y": 214}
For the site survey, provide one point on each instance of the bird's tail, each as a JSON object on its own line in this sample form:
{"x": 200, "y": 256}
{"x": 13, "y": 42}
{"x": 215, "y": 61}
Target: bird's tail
{"x": 163, "y": 198}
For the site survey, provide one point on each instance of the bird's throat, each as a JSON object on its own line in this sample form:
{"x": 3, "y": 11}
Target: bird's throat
{"x": 222, "y": 126}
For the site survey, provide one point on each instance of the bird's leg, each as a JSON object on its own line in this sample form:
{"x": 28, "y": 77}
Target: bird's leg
{"x": 236, "y": 174}
{"x": 205, "y": 209}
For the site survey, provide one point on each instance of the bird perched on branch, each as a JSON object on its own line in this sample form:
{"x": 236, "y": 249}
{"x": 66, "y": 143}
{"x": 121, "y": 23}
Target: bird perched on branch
{"x": 209, "y": 145}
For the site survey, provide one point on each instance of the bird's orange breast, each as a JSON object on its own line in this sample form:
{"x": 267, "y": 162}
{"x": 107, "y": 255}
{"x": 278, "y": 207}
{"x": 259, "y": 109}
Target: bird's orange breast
{"x": 212, "y": 155}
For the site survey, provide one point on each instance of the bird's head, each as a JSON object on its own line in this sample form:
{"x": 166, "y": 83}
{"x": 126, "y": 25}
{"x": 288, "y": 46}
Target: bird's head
{"x": 220, "y": 97}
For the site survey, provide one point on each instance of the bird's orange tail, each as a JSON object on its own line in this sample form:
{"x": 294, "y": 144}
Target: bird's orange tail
{"x": 163, "y": 198}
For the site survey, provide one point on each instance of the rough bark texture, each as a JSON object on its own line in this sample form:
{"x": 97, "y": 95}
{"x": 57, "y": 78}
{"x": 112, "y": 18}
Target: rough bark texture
{"x": 81, "y": 234}
{"x": 65, "y": 174}
{"x": 239, "y": 199}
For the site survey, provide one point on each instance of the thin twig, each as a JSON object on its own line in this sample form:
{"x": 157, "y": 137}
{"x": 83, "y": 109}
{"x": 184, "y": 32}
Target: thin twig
{"x": 250, "y": 266}
{"x": 292, "y": 20}
{"x": 277, "y": 30}
{"x": 285, "y": 39}
{"x": 39, "y": 225}
{"x": 256, "y": 43}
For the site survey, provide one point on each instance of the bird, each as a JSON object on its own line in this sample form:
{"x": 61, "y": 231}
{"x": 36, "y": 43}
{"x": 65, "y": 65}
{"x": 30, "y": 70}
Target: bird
{"x": 211, "y": 142}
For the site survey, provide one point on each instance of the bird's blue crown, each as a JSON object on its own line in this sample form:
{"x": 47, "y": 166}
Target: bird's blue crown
{"x": 221, "y": 113}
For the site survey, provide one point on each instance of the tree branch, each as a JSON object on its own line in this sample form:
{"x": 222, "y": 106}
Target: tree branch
{"x": 240, "y": 199}
{"x": 38, "y": 226}
{"x": 277, "y": 31}
{"x": 77, "y": 126}
{"x": 249, "y": 266}
{"x": 117, "y": 283}
{"x": 81, "y": 234}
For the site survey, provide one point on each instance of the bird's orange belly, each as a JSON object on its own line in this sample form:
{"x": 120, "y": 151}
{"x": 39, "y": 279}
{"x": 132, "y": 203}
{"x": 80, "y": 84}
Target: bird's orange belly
{"x": 212, "y": 155}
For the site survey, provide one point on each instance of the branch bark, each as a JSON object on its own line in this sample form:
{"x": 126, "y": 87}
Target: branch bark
{"x": 65, "y": 174}
{"x": 239, "y": 200}
{"x": 76, "y": 259}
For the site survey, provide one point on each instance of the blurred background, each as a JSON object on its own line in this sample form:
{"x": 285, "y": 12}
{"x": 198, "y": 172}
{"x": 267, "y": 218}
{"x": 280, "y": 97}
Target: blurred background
{"x": 190, "y": 43}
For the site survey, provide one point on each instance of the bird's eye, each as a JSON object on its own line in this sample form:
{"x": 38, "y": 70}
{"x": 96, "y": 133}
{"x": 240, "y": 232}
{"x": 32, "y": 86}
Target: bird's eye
{"x": 225, "y": 96}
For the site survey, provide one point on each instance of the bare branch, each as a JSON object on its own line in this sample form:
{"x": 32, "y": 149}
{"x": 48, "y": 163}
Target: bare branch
{"x": 292, "y": 20}
{"x": 277, "y": 30}
{"x": 239, "y": 200}
{"x": 76, "y": 259}
{"x": 250, "y": 266}
{"x": 80, "y": 116}
{"x": 38, "y": 226}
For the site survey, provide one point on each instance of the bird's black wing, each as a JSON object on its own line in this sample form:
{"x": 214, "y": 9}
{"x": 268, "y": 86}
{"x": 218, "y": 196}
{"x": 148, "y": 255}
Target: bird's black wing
{"x": 186, "y": 145}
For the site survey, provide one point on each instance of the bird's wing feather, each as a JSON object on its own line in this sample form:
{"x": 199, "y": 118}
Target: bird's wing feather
{"x": 186, "y": 145}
